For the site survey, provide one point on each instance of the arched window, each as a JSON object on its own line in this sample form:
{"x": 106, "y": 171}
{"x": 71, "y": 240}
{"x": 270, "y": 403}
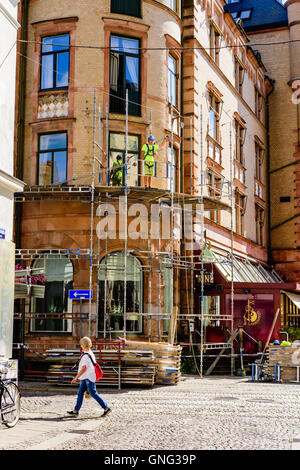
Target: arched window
{"x": 59, "y": 280}
{"x": 112, "y": 290}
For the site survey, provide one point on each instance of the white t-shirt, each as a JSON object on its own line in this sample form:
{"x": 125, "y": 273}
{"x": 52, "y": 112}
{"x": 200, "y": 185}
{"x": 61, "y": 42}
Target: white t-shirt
{"x": 90, "y": 369}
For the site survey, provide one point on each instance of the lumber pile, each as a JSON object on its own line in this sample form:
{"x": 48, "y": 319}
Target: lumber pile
{"x": 142, "y": 357}
{"x": 63, "y": 374}
{"x": 144, "y": 375}
{"x": 139, "y": 363}
{"x": 166, "y": 359}
{"x": 284, "y": 356}
{"x": 126, "y": 356}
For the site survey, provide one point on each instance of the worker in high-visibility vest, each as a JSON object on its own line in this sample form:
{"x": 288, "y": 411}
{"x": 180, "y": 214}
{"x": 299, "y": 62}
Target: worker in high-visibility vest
{"x": 149, "y": 152}
{"x": 117, "y": 171}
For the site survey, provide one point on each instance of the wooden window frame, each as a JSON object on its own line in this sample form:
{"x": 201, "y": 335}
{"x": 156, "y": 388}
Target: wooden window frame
{"x": 240, "y": 135}
{"x": 176, "y": 75}
{"x": 122, "y": 105}
{"x": 240, "y": 210}
{"x": 51, "y": 151}
{"x": 259, "y": 223}
{"x": 215, "y": 37}
{"x": 122, "y": 152}
{"x": 123, "y": 12}
{"x": 259, "y": 102}
{"x": 214, "y": 183}
{"x": 55, "y": 54}
{"x": 239, "y": 71}
{"x": 258, "y": 175}
{"x": 215, "y": 105}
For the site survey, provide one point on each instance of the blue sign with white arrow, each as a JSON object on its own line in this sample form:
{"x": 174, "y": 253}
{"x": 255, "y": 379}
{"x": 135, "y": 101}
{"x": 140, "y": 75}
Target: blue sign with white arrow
{"x": 80, "y": 294}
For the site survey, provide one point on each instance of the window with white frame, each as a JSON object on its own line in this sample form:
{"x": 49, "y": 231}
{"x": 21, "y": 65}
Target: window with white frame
{"x": 173, "y": 4}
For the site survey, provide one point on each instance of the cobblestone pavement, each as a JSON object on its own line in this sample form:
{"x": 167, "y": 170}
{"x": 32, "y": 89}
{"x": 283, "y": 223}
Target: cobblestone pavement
{"x": 210, "y": 413}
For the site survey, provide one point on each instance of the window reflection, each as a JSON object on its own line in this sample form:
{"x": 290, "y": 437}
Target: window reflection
{"x": 111, "y": 289}
{"x": 52, "y": 161}
{"x": 125, "y": 75}
{"x": 59, "y": 280}
{"x": 55, "y": 53}
{"x": 116, "y": 148}
{"x": 172, "y": 79}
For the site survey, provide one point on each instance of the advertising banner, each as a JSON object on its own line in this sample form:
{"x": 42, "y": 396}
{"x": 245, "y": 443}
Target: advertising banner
{"x": 7, "y": 279}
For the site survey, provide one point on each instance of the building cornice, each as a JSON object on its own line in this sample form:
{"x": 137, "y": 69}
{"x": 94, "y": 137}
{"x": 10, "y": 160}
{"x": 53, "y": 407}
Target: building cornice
{"x": 164, "y": 7}
{"x": 9, "y": 17}
{"x": 10, "y": 183}
{"x": 226, "y": 80}
{"x": 290, "y": 2}
{"x": 68, "y": 19}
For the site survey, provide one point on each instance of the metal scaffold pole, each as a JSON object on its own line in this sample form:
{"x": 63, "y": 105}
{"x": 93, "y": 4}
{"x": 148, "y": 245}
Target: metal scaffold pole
{"x": 173, "y": 323}
{"x": 150, "y": 261}
{"x": 98, "y": 238}
{"x": 106, "y": 317}
{"x": 231, "y": 244}
{"x": 92, "y": 215}
{"x": 125, "y": 216}
{"x": 191, "y": 152}
{"x": 202, "y": 241}
{"x": 159, "y": 282}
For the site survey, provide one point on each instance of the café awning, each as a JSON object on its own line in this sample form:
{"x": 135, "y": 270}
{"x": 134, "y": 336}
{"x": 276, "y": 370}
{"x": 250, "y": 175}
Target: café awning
{"x": 242, "y": 269}
{"x": 295, "y": 298}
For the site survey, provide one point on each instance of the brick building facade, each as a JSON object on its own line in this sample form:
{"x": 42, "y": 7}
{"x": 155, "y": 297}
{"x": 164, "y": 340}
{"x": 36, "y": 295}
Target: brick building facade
{"x": 194, "y": 83}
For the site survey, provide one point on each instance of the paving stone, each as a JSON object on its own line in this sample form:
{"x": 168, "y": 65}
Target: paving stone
{"x": 210, "y": 413}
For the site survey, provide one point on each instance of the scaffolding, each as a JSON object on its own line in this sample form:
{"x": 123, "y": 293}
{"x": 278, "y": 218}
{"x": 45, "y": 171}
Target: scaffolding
{"x": 162, "y": 263}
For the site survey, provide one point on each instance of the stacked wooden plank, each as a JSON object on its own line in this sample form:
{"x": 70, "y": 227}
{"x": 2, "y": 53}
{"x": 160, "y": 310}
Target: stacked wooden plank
{"x": 288, "y": 358}
{"x": 166, "y": 360}
{"x": 141, "y": 363}
{"x": 61, "y": 374}
{"x": 140, "y": 375}
{"x": 131, "y": 356}
{"x": 133, "y": 367}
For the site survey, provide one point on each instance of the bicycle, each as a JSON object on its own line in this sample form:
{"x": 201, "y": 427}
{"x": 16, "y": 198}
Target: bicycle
{"x": 10, "y": 401}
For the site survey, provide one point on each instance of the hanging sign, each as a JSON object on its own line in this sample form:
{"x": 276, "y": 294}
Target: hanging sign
{"x": 208, "y": 278}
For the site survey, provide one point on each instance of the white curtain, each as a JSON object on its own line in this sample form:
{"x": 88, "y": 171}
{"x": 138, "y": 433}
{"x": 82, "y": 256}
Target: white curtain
{"x": 116, "y": 268}
{"x": 55, "y": 269}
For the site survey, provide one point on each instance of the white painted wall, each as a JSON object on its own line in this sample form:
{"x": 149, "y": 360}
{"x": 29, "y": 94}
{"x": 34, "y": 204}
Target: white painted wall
{"x": 8, "y": 184}
{"x": 8, "y": 36}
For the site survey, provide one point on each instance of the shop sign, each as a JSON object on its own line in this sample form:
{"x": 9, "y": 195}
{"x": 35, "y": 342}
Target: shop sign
{"x": 208, "y": 278}
{"x": 251, "y": 316}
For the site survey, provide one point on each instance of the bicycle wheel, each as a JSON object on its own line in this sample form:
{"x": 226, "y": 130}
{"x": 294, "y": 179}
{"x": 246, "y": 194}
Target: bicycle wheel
{"x": 10, "y": 404}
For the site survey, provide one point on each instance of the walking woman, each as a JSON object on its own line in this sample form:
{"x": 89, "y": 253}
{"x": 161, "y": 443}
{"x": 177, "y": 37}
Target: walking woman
{"x": 87, "y": 376}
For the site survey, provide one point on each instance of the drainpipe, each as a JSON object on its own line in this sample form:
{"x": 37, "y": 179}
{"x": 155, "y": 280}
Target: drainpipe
{"x": 20, "y": 133}
{"x": 268, "y": 173}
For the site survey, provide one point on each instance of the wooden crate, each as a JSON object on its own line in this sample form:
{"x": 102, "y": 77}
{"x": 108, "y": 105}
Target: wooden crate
{"x": 283, "y": 355}
{"x": 167, "y": 360}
